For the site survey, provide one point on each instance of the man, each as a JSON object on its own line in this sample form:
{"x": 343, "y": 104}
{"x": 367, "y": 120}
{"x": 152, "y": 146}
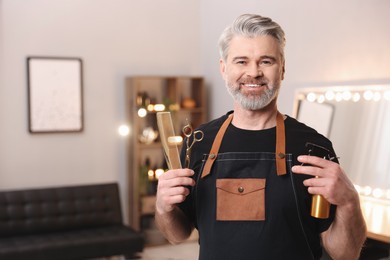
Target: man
{"x": 249, "y": 185}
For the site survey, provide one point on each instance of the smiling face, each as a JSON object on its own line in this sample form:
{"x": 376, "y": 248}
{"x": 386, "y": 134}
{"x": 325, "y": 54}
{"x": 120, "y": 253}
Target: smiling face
{"x": 253, "y": 71}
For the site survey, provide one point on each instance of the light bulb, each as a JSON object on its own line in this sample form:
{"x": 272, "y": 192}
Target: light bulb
{"x": 367, "y": 190}
{"x": 347, "y": 95}
{"x": 368, "y": 95}
{"x": 329, "y": 95}
{"x": 321, "y": 99}
{"x": 377, "y": 193}
{"x": 311, "y": 97}
{"x": 123, "y": 130}
{"x": 356, "y": 97}
{"x": 142, "y": 112}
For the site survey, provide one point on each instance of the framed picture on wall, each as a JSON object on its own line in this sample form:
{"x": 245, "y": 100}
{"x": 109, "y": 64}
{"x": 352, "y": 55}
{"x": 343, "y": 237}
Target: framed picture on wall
{"x": 55, "y": 94}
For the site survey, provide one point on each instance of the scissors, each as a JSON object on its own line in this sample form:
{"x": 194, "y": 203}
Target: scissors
{"x": 197, "y": 136}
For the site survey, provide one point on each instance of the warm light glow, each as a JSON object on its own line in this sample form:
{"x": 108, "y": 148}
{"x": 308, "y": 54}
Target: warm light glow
{"x": 159, "y": 172}
{"x": 377, "y": 193}
{"x": 367, "y": 190}
{"x": 339, "y": 96}
{"x": 311, "y": 97}
{"x": 175, "y": 140}
{"x": 329, "y": 95}
{"x": 374, "y": 193}
{"x": 356, "y": 97}
{"x": 347, "y": 95}
{"x": 123, "y": 130}
{"x": 150, "y": 175}
{"x": 142, "y": 112}
{"x": 159, "y": 107}
{"x": 388, "y": 194}
{"x": 368, "y": 95}
{"x": 150, "y": 107}
{"x": 377, "y": 218}
{"x": 321, "y": 99}
{"x": 377, "y": 96}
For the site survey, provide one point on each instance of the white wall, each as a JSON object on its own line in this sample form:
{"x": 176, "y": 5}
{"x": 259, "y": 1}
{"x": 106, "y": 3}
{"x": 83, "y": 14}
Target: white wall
{"x": 115, "y": 39}
{"x": 327, "y": 42}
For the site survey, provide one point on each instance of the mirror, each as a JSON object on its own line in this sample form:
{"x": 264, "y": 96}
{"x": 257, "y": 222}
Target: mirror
{"x": 357, "y": 121}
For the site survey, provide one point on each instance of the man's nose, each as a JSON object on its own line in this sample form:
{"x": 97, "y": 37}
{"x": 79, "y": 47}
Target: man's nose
{"x": 254, "y": 71}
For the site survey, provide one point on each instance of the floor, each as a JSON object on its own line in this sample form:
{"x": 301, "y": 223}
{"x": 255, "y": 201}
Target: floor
{"x": 185, "y": 251}
{"x": 189, "y": 251}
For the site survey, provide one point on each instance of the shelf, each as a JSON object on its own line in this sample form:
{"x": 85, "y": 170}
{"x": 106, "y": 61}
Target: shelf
{"x": 148, "y": 205}
{"x": 150, "y": 146}
{"x": 188, "y": 95}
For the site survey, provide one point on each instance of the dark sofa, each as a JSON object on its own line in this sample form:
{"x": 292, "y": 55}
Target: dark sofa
{"x": 76, "y": 222}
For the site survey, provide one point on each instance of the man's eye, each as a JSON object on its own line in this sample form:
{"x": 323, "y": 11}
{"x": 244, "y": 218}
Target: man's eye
{"x": 266, "y": 62}
{"x": 242, "y": 62}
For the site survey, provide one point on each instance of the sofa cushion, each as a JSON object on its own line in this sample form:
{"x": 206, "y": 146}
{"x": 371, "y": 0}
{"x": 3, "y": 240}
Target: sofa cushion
{"x": 59, "y": 209}
{"x": 76, "y": 244}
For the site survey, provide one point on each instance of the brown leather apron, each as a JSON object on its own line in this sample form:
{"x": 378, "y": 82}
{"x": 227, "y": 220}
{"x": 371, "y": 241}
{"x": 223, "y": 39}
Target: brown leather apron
{"x": 246, "y": 205}
{"x": 280, "y": 146}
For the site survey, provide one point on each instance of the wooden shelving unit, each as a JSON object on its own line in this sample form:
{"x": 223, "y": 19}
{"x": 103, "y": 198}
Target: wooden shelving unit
{"x": 185, "y": 98}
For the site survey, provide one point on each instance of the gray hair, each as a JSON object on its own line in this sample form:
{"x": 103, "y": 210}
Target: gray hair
{"x": 250, "y": 25}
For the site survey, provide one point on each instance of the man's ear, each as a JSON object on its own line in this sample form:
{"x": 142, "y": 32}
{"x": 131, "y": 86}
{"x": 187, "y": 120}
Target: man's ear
{"x": 222, "y": 68}
{"x": 283, "y": 69}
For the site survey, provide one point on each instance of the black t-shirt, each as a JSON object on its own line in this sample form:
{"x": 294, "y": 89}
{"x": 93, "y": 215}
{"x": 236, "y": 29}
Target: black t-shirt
{"x": 239, "y": 140}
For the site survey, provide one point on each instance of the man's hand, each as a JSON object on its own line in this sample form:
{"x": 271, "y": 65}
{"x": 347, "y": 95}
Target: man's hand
{"x": 347, "y": 233}
{"x": 171, "y": 189}
{"x": 332, "y": 183}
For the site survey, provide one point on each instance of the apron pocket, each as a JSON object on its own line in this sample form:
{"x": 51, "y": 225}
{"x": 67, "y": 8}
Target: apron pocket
{"x": 240, "y": 199}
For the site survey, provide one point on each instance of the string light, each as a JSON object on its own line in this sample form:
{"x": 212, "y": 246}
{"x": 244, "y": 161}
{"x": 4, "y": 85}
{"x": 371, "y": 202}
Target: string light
{"x": 339, "y": 96}
{"x": 377, "y": 96}
{"x": 321, "y": 99}
{"x": 368, "y": 95}
{"x": 378, "y": 193}
{"x": 347, "y": 95}
{"x": 356, "y": 97}
{"x": 367, "y": 190}
{"x": 329, "y": 95}
{"x": 311, "y": 97}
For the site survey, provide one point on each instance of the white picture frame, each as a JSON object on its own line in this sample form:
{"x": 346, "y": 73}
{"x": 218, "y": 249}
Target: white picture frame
{"x": 55, "y": 94}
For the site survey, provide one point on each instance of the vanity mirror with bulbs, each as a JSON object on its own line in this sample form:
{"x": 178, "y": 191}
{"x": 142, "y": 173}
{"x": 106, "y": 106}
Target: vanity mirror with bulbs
{"x": 357, "y": 121}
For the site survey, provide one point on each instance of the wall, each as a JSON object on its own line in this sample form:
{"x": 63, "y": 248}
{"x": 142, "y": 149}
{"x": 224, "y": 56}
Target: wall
{"x": 328, "y": 43}
{"x": 115, "y": 39}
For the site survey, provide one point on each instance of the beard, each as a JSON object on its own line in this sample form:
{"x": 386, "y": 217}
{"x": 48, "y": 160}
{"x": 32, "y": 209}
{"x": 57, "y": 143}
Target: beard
{"x": 253, "y": 101}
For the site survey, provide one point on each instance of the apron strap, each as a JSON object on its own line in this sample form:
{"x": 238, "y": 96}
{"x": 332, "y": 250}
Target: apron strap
{"x": 215, "y": 147}
{"x": 280, "y": 146}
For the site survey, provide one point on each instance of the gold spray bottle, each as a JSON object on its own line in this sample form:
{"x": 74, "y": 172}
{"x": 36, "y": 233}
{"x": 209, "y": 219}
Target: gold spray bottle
{"x": 320, "y": 207}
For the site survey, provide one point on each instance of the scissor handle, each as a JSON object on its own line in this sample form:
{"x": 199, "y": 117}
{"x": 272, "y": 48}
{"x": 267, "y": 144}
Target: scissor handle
{"x": 187, "y": 130}
{"x": 198, "y": 136}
